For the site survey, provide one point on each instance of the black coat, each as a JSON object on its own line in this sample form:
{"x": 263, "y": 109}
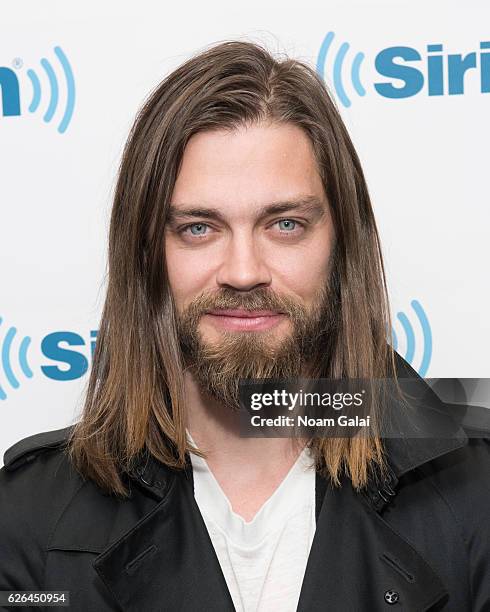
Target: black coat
{"x": 418, "y": 541}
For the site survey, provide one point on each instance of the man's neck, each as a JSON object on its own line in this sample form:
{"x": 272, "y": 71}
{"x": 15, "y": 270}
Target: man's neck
{"x": 248, "y": 470}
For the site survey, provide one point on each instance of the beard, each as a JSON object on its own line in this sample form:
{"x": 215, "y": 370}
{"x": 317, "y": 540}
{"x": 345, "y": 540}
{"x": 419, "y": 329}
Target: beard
{"x": 218, "y": 366}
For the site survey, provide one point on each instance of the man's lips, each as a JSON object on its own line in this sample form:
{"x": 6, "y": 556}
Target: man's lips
{"x": 244, "y": 314}
{"x": 238, "y": 319}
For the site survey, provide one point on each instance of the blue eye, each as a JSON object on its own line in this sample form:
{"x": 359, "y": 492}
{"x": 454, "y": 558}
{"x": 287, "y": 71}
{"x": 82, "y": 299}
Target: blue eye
{"x": 290, "y": 224}
{"x": 200, "y": 226}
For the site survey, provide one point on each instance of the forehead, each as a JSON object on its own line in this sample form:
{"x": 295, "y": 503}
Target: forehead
{"x": 247, "y": 167}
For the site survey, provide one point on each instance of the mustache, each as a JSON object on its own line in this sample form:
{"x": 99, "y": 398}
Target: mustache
{"x": 258, "y": 299}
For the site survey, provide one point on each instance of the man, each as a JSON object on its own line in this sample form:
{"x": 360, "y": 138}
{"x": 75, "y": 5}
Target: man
{"x": 242, "y": 246}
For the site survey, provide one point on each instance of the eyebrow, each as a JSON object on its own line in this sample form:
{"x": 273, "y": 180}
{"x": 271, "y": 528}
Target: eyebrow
{"x": 307, "y": 204}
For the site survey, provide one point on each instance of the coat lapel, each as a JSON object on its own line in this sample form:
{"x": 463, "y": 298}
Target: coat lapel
{"x": 359, "y": 562}
{"x": 166, "y": 561}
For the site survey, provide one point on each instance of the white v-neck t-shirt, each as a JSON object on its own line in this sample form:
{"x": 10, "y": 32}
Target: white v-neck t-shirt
{"x": 264, "y": 560}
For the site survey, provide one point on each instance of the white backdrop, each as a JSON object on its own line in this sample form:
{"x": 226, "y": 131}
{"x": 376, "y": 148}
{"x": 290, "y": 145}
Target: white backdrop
{"x": 425, "y": 158}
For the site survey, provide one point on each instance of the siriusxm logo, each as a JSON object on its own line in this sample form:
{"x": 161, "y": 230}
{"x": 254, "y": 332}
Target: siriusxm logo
{"x": 414, "y": 68}
{"x": 75, "y": 363}
{"x": 44, "y": 86}
{"x": 51, "y": 348}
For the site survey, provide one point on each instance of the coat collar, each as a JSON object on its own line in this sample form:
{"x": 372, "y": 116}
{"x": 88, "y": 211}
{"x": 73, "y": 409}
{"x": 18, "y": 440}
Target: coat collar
{"x": 166, "y": 558}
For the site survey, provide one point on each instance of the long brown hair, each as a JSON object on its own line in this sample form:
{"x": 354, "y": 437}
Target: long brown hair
{"x": 135, "y": 392}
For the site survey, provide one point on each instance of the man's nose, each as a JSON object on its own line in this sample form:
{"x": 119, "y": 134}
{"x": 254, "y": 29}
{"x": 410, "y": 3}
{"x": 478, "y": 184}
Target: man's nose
{"x": 243, "y": 267}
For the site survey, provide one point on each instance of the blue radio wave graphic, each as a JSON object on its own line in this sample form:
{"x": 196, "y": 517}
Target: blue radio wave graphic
{"x": 54, "y": 90}
{"x": 337, "y": 68}
{"x": 6, "y": 361}
{"x": 410, "y": 336}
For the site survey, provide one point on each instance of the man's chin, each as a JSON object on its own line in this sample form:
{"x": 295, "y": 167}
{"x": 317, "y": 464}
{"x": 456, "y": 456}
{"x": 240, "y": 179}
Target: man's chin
{"x": 222, "y": 363}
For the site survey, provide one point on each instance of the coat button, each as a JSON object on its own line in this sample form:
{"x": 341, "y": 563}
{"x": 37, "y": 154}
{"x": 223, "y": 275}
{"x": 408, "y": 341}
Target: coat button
{"x": 391, "y": 596}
